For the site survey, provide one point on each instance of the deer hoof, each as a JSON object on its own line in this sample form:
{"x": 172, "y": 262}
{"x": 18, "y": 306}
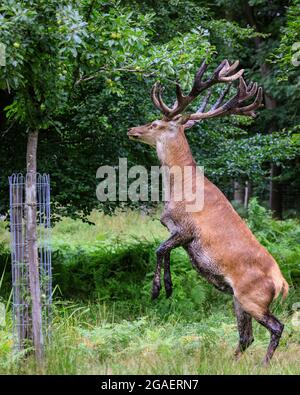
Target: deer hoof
{"x": 237, "y": 354}
{"x": 169, "y": 290}
{"x": 155, "y": 291}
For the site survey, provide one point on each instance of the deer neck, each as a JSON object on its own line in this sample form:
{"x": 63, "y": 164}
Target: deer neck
{"x": 175, "y": 151}
{"x": 179, "y": 169}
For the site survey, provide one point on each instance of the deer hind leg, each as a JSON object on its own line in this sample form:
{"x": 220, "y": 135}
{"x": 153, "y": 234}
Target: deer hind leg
{"x": 244, "y": 324}
{"x": 167, "y": 274}
{"x": 275, "y": 327}
{"x": 256, "y": 302}
{"x": 156, "y": 279}
{"x": 163, "y": 254}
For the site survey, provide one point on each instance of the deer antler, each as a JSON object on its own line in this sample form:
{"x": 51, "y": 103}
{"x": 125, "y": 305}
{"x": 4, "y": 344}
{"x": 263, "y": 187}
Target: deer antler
{"x": 234, "y": 104}
{"x": 224, "y": 73}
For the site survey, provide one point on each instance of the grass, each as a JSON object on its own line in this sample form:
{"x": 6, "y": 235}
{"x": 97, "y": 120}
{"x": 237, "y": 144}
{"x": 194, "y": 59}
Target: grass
{"x": 4, "y": 234}
{"x": 91, "y": 339}
{"x": 104, "y": 321}
{"x": 123, "y": 226}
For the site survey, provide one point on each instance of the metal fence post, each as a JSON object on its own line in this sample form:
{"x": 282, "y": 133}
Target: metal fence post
{"x": 24, "y": 318}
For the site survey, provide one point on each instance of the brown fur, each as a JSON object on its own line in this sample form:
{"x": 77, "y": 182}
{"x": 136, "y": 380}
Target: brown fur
{"x": 251, "y": 271}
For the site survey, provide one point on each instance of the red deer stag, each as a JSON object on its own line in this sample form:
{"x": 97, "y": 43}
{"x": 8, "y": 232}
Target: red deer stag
{"x": 219, "y": 243}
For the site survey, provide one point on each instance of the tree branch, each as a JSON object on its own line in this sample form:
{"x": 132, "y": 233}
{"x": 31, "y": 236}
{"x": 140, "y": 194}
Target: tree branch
{"x": 103, "y": 69}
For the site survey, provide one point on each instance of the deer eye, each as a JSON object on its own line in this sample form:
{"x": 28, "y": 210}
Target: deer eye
{"x": 154, "y": 125}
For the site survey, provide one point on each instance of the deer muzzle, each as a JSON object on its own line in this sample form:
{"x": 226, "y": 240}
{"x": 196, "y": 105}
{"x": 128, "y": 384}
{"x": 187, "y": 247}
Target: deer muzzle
{"x": 133, "y": 134}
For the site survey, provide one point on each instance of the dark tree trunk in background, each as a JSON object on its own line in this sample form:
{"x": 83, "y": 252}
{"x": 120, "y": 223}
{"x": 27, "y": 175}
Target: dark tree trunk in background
{"x": 32, "y": 244}
{"x": 248, "y": 192}
{"x": 275, "y": 199}
{"x": 239, "y": 192}
{"x": 275, "y": 193}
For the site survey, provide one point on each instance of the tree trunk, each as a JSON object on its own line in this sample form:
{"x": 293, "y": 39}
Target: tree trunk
{"x": 275, "y": 193}
{"x": 275, "y": 199}
{"x": 238, "y": 193}
{"x": 32, "y": 246}
{"x": 248, "y": 191}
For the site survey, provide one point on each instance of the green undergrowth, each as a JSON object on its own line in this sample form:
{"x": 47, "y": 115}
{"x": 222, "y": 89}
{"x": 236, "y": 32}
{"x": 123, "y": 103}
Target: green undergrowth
{"x": 97, "y": 339}
{"x": 105, "y": 322}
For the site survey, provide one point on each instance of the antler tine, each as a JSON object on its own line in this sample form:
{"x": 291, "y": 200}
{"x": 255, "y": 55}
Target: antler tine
{"x": 246, "y": 92}
{"x": 222, "y": 65}
{"x": 204, "y": 102}
{"x": 223, "y": 73}
{"x": 197, "y": 85}
{"x": 157, "y": 99}
{"x": 227, "y": 74}
{"x": 228, "y": 69}
{"x": 200, "y": 72}
{"x": 202, "y": 107}
{"x": 179, "y": 95}
{"x": 233, "y": 77}
{"x": 221, "y": 98}
{"x": 251, "y": 92}
{"x": 233, "y": 67}
{"x": 250, "y": 86}
{"x": 165, "y": 109}
{"x": 153, "y": 96}
{"x": 249, "y": 109}
{"x": 242, "y": 87}
{"x": 202, "y": 69}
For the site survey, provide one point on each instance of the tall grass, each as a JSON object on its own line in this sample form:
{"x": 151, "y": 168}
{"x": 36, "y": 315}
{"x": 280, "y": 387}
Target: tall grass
{"x": 91, "y": 339}
{"x": 104, "y": 319}
{"x": 122, "y": 226}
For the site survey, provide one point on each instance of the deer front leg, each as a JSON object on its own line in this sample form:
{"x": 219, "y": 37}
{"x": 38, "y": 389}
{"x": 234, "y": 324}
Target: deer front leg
{"x": 163, "y": 253}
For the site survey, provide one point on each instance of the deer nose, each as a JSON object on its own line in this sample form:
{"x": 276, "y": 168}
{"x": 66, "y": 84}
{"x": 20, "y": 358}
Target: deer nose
{"x": 132, "y": 133}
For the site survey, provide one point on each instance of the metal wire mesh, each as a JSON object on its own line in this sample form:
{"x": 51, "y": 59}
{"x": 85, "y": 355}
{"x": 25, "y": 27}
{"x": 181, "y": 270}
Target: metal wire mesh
{"x": 22, "y": 319}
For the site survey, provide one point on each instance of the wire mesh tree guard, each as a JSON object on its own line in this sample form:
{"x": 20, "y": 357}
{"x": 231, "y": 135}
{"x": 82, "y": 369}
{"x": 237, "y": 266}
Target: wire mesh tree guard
{"x": 25, "y": 317}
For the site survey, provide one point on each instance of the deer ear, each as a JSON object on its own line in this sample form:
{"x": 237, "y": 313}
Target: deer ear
{"x": 181, "y": 119}
{"x": 177, "y": 118}
{"x": 189, "y": 124}
{"x": 184, "y": 121}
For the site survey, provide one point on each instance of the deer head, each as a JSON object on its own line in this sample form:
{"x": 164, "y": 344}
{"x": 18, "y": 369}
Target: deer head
{"x": 175, "y": 121}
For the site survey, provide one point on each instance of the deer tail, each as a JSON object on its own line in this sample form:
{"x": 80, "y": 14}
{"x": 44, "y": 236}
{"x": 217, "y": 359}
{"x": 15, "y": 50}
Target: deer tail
{"x": 284, "y": 289}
